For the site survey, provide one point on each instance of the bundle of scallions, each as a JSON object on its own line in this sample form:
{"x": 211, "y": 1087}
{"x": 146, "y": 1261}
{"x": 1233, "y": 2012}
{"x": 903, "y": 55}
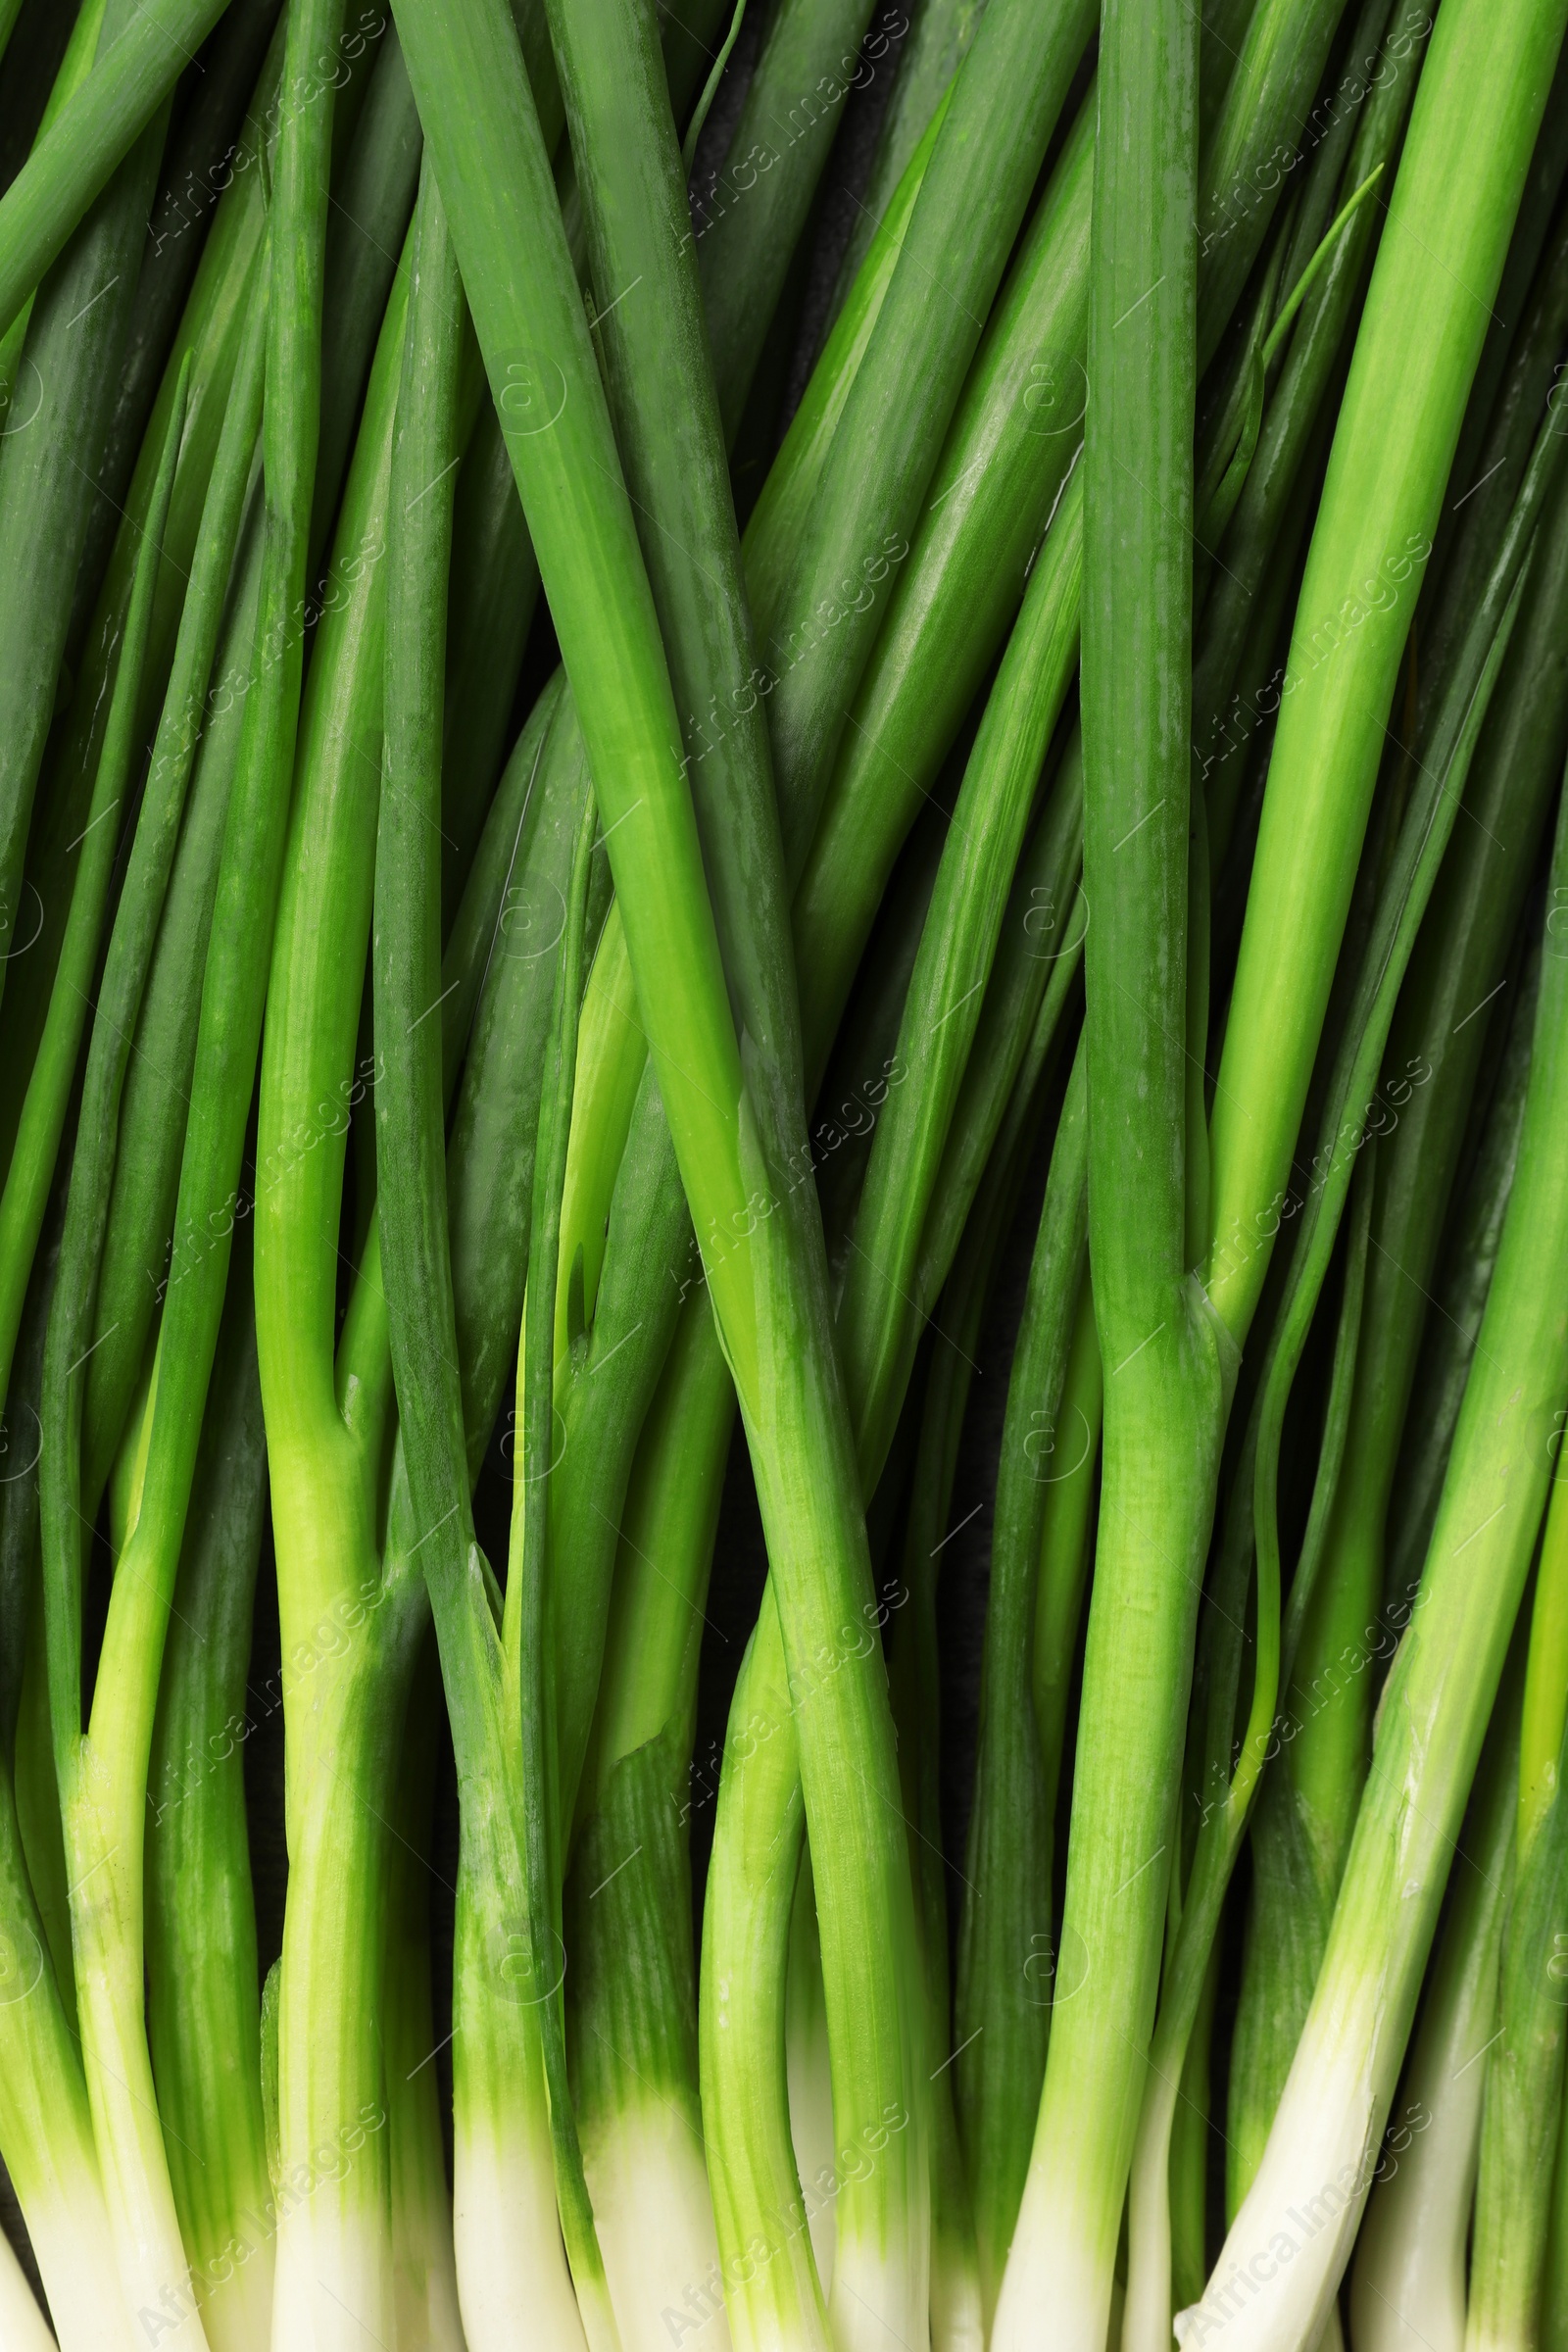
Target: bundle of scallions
{"x": 855, "y": 711}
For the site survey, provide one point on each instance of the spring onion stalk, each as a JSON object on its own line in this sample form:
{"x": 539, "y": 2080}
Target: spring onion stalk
{"x": 372, "y": 203}
{"x": 240, "y": 80}
{"x": 1316, "y": 2169}
{"x": 1408, "y": 2285}
{"x": 134, "y": 74}
{"x": 492, "y": 167}
{"x": 357, "y": 1668}
{"x": 952, "y": 1187}
{"x": 1390, "y": 933}
{"x": 1001, "y": 2019}
{"x": 327, "y": 1412}
{"x": 523, "y": 1626}
{"x": 1422, "y": 329}
{"x": 45, "y": 2124}
{"x": 424, "y": 2278}
{"x": 944, "y": 1009}
{"x": 1072, "y": 1449}
{"x": 210, "y": 333}
{"x": 748, "y": 2026}
{"x": 495, "y": 589}
{"x": 613, "y": 1050}
{"x": 103, "y": 1775}
{"x": 968, "y": 212}
{"x": 502, "y": 2166}
{"x": 1165, "y": 1367}
{"x": 1014, "y": 434}
{"x": 158, "y": 1082}
{"x": 145, "y": 889}
{"x": 1467, "y": 1260}
{"x": 45, "y": 480}
{"x": 43, "y": 1116}
{"x": 1310, "y": 1804}
{"x": 933, "y": 49}
{"x": 1522, "y": 2112}
{"x": 203, "y": 2004}
{"x": 142, "y": 901}
{"x": 749, "y": 218}
{"x": 495, "y": 1121}
{"x": 25, "y": 1714}
{"x": 1290, "y": 422}
{"x": 958, "y": 2309}
{"x": 646, "y": 1704}
{"x": 1526, "y": 387}
{"x": 75, "y": 68}
{"x": 1536, "y": 208}
{"x": 1274, "y": 77}
{"x": 634, "y": 2019}
{"x": 1225, "y": 1794}
{"x": 709, "y": 651}
{"x": 325, "y": 1494}
{"x": 106, "y": 1909}
{"x": 772, "y": 2294}
{"x": 785, "y": 501}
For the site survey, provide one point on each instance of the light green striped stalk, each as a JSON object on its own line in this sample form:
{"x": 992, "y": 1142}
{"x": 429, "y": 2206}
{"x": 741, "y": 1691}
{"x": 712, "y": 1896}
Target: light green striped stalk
{"x": 1467, "y": 1260}
{"x": 971, "y": 204}
{"x": 1073, "y": 1454}
{"x": 104, "y": 1777}
{"x": 211, "y": 334}
{"x": 1288, "y": 2246}
{"x": 751, "y": 215}
{"x": 118, "y": 996}
{"x": 1407, "y": 2288}
{"x": 780, "y": 512}
{"x": 70, "y": 363}
{"x": 203, "y": 1995}
{"x": 96, "y": 128}
{"x": 933, "y": 50}
{"x": 1353, "y": 148}
{"x": 424, "y": 2276}
{"x": 46, "y": 2134}
{"x": 1522, "y": 2113}
{"x": 1435, "y": 1054}
{"x": 506, "y": 1990}
{"x": 1001, "y": 2016}
{"x": 634, "y": 2010}
{"x": 772, "y": 2294}
{"x": 158, "y": 1082}
{"x": 1457, "y": 188}
{"x": 879, "y": 1314}
{"x": 349, "y": 1640}
{"x": 767, "y": 1278}
{"x": 1273, "y": 80}
{"x": 1391, "y": 929}
{"x": 75, "y": 68}
{"x": 324, "y": 1463}
{"x": 1015, "y": 433}
{"x": 612, "y": 1050}
{"x": 356, "y": 1666}
{"x": 102, "y": 1773}
{"x": 1165, "y": 1373}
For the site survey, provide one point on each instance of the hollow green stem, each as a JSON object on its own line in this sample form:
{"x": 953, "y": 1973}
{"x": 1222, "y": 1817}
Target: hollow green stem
{"x": 1372, "y": 537}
